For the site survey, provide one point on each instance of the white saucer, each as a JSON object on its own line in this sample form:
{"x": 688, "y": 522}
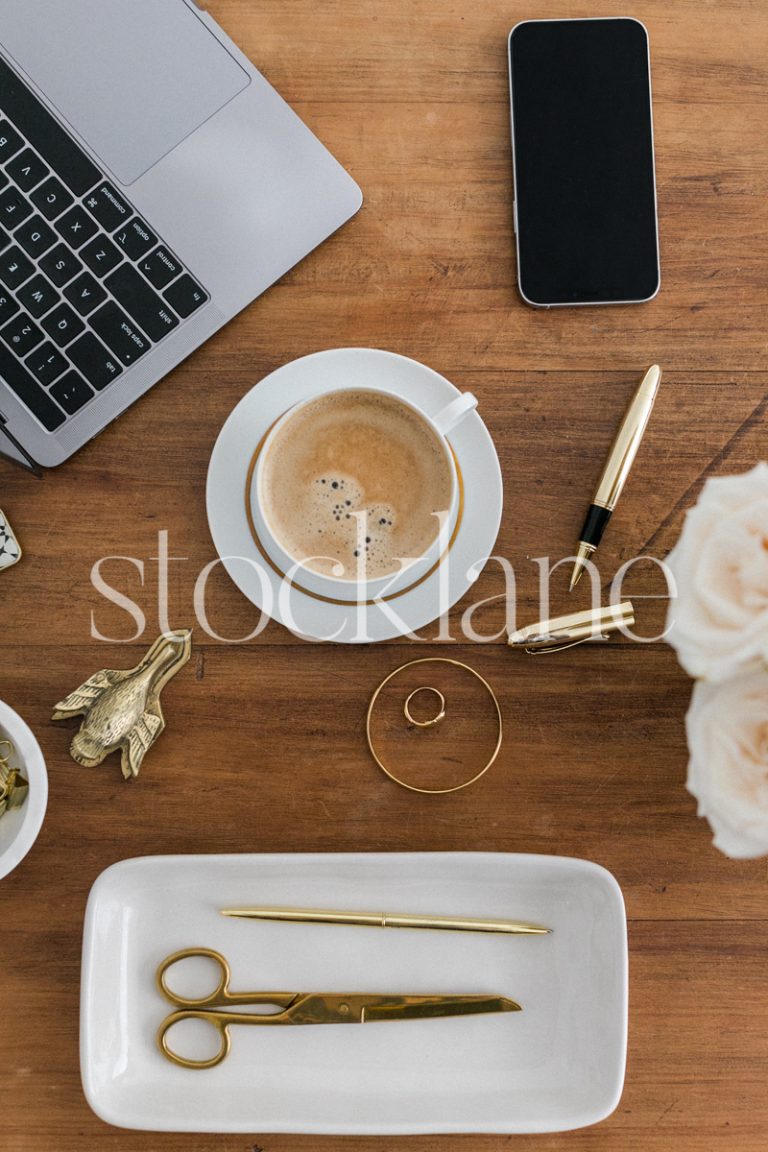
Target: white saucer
{"x": 228, "y": 475}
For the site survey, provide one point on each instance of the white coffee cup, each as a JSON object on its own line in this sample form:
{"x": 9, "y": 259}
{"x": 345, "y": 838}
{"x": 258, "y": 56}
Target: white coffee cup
{"x": 412, "y": 569}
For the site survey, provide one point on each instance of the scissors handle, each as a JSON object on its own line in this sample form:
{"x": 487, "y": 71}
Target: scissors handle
{"x": 221, "y": 1021}
{"x": 221, "y": 1026}
{"x": 221, "y": 996}
{"x": 212, "y": 1009}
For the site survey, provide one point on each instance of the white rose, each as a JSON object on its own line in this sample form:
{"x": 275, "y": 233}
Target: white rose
{"x": 719, "y": 623}
{"x": 727, "y": 727}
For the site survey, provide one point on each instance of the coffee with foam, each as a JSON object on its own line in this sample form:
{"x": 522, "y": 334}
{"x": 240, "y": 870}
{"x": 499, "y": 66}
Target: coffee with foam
{"x": 354, "y": 484}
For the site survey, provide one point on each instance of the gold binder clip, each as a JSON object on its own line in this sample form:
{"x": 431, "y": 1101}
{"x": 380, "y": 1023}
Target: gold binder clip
{"x": 13, "y": 786}
{"x": 561, "y": 632}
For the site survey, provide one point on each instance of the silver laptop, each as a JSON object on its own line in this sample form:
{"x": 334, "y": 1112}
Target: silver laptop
{"x": 152, "y": 183}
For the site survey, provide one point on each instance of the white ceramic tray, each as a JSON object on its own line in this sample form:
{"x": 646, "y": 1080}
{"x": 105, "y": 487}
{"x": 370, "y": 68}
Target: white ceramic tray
{"x": 556, "y": 1065}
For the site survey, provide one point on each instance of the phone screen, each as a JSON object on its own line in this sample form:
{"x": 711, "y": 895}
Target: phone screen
{"x": 582, "y": 139}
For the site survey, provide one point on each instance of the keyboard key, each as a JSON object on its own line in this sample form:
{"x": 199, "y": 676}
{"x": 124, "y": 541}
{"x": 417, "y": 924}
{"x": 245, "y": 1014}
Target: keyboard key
{"x": 141, "y": 302}
{"x": 15, "y": 268}
{"x": 160, "y": 267}
{"x": 18, "y": 379}
{"x": 44, "y": 133}
{"x": 38, "y": 296}
{"x": 46, "y": 363}
{"x": 85, "y": 293}
{"x": 3, "y": 179}
{"x": 108, "y": 207}
{"x": 10, "y": 141}
{"x": 14, "y": 208}
{"x": 27, "y": 170}
{"x": 101, "y": 256}
{"x": 76, "y": 226}
{"x": 119, "y": 333}
{"x": 72, "y": 392}
{"x": 35, "y": 236}
{"x": 62, "y": 325}
{"x": 185, "y": 296}
{"x": 51, "y": 198}
{"x": 135, "y": 239}
{"x": 4, "y": 239}
{"x": 60, "y": 265}
{"x": 97, "y": 365}
{"x": 21, "y": 334}
{"x": 8, "y": 306}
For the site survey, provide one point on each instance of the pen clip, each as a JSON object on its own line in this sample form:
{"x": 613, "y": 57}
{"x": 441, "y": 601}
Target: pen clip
{"x": 544, "y": 647}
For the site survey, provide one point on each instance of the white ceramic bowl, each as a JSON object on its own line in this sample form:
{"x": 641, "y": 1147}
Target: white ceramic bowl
{"x": 19, "y": 828}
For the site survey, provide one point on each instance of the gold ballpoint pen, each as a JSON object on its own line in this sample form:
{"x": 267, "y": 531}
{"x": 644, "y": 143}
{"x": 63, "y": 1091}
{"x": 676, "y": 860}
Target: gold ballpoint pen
{"x": 616, "y": 469}
{"x": 388, "y": 920}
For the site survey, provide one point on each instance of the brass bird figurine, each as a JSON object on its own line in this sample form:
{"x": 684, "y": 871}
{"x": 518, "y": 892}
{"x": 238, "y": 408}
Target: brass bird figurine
{"x": 122, "y": 709}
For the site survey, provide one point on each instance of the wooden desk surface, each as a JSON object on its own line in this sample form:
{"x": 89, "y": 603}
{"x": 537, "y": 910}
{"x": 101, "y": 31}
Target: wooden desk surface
{"x": 264, "y": 749}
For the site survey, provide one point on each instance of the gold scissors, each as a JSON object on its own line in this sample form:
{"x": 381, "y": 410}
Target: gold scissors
{"x": 298, "y": 1007}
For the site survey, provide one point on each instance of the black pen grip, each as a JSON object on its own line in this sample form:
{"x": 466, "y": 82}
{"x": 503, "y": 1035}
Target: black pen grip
{"x": 594, "y": 525}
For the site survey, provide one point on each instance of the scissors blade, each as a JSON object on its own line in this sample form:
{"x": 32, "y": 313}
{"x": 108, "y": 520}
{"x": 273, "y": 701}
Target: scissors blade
{"x": 427, "y": 1007}
{"x": 359, "y": 1009}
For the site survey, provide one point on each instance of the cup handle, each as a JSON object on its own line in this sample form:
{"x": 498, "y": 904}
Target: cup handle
{"x": 447, "y": 418}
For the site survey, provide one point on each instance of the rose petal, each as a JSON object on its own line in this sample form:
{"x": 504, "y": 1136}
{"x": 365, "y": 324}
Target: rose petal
{"x": 727, "y": 727}
{"x": 718, "y": 623}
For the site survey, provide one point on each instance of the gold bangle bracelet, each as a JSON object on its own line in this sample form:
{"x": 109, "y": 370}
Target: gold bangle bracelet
{"x": 431, "y": 723}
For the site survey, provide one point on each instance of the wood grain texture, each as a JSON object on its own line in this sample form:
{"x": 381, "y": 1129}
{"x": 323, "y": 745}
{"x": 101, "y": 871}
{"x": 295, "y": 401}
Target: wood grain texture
{"x": 412, "y": 98}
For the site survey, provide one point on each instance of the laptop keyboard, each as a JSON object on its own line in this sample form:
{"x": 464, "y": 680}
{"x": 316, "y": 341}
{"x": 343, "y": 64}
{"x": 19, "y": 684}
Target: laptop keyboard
{"x": 86, "y": 287}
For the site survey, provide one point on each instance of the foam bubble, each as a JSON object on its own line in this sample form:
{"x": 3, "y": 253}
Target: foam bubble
{"x": 353, "y": 532}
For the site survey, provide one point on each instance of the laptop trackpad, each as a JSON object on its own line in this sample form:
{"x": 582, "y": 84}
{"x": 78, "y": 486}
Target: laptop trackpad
{"x": 133, "y": 77}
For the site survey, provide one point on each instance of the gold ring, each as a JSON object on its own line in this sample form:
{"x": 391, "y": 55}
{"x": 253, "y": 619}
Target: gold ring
{"x": 412, "y": 664}
{"x": 424, "y": 723}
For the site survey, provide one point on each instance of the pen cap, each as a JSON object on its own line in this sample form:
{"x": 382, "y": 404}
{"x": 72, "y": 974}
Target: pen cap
{"x": 591, "y": 624}
{"x": 599, "y": 622}
{"x": 628, "y": 440}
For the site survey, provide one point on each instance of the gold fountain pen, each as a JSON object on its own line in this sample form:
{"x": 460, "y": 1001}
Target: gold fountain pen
{"x": 616, "y": 469}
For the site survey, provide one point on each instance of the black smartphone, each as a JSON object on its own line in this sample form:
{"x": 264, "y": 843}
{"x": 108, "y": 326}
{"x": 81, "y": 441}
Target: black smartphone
{"x": 582, "y": 146}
